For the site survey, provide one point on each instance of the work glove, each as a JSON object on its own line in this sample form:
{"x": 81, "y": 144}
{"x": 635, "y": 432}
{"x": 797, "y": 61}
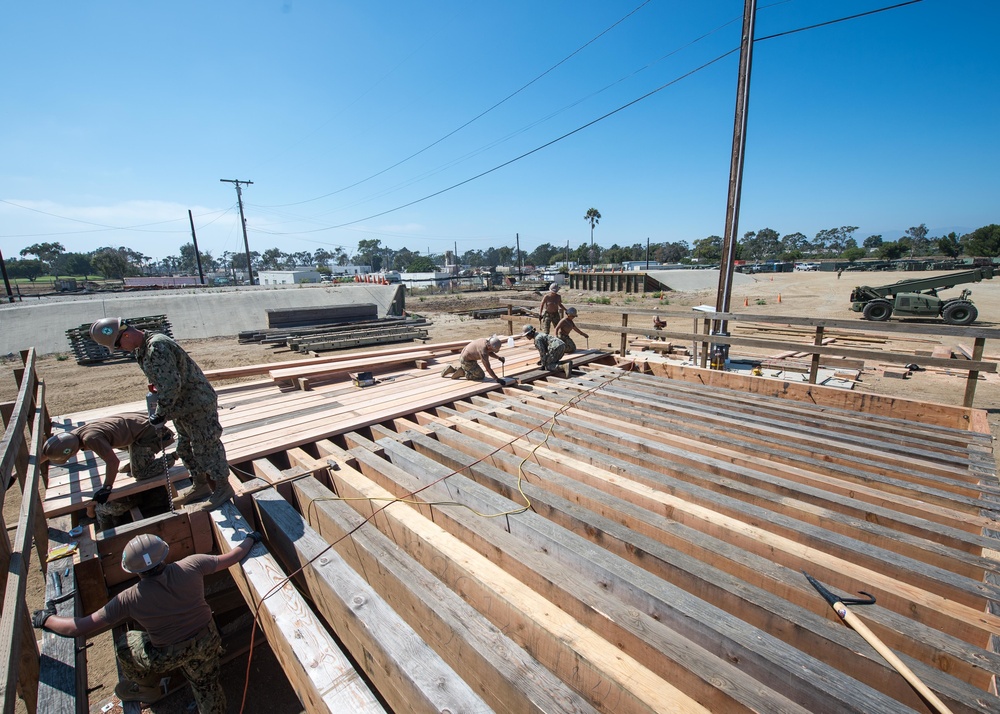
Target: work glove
{"x": 101, "y": 495}
{"x": 157, "y": 420}
{"x": 255, "y": 536}
{"x": 38, "y": 617}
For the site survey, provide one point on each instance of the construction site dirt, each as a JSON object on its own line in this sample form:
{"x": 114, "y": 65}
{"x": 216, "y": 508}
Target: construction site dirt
{"x": 71, "y": 387}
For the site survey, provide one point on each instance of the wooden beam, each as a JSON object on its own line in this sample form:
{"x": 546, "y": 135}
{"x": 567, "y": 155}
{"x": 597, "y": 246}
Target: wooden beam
{"x": 322, "y": 677}
{"x": 376, "y": 636}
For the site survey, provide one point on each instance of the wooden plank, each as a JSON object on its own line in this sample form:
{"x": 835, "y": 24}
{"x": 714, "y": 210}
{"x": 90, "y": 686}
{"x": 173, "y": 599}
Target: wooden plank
{"x": 10, "y": 442}
{"x": 327, "y": 370}
{"x": 507, "y": 676}
{"x": 18, "y": 650}
{"x": 322, "y": 677}
{"x": 671, "y": 632}
{"x": 608, "y": 677}
{"x": 376, "y": 636}
{"x": 174, "y": 528}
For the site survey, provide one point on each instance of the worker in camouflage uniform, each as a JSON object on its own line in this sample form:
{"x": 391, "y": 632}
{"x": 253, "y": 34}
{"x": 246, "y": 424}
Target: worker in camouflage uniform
{"x": 474, "y": 353}
{"x": 184, "y": 396}
{"x": 143, "y": 441}
{"x": 550, "y": 349}
{"x": 566, "y": 328}
{"x": 169, "y": 604}
{"x": 551, "y": 310}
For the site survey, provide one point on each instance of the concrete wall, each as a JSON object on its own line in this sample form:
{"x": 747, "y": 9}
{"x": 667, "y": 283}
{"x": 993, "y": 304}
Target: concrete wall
{"x": 207, "y": 312}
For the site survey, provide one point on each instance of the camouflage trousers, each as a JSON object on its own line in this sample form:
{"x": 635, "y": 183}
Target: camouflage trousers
{"x": 570, "y": 345}
{"x": 198, "y": 658}
{"x": 199, "y": 445}
{"x": 549, "y": 320}
{"x": 472, "y": 370}
{"x": 550, "y": 350}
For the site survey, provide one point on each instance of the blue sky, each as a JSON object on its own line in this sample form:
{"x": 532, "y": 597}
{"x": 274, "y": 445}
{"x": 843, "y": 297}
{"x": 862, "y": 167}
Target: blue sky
{"x": 120, "y": 117}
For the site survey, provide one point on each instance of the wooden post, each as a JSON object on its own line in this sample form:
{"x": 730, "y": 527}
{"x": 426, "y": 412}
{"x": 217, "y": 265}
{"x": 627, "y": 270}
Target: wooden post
{"x": 704, "y": 344}
{"x": 510, "y": 321}
{"x": 970, "y": 384}
{"x": 624, "y": 335}
{"x": 814, "y": 363}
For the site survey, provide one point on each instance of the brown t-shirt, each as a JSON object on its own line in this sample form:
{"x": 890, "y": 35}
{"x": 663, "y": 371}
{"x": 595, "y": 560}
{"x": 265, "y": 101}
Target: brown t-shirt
{"x": 171, "y": 606}
{"x": 475, "y": 350}
{"x": 119, "y": 431}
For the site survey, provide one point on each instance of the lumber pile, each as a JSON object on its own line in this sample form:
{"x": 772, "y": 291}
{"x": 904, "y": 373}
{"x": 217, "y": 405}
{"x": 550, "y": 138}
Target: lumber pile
{"x": 327, "y": 315}
{"x": 87, "y": 351}
{"x": 322, "y": 338}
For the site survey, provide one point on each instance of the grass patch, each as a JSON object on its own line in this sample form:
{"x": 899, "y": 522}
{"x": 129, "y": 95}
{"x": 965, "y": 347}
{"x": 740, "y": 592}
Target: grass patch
{"x": 599, "y": 301}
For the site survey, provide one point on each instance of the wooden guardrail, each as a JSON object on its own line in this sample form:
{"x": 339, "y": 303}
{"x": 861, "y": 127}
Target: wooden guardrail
{"x": 19, "y": 656}
{"x": 703, "y": 340}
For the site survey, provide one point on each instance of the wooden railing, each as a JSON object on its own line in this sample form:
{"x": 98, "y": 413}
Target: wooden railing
{"x": 702, "y": 342}
{"x": 19, "y": 455}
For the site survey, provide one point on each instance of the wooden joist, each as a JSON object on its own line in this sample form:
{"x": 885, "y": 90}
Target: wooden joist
{"x": 321, "y": 675}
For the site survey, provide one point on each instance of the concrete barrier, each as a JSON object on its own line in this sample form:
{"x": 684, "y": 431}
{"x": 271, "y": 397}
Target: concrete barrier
{"x": 206, "y": 312}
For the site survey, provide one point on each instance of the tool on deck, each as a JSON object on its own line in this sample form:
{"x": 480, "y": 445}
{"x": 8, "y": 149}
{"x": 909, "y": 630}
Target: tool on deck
{"x": 839, "y": 605}
{"x": 362, "y": 379}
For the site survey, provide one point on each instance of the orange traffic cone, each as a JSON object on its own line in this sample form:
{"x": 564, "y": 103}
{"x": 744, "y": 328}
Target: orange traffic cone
{"x": 746, "y": 302}
{"x": 779, "y": 297}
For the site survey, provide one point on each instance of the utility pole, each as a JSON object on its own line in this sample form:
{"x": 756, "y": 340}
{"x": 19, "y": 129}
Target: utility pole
{"x": 243, "y": 221}
{"x": 197, "y": 255}
{"x": 6, "y": 280}
{"x": 724, "y": 296}
{"x": 520, "y": 267}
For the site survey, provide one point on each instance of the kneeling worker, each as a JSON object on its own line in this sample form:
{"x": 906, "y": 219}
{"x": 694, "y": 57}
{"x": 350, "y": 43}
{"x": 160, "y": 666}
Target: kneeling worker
{"x": 131, "y": 431}
{"x": 169, "y": 604}
{"x": 550, "y": 349}
{"x": 475, "y": 352}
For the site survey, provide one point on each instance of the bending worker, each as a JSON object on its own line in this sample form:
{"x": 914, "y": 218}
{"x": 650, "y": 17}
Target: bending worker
{"x": 184, "y": 396}
{"x": 551, "y": 309}
{"x": 130, "y": 431}
{"x": 550, "y": 349}
{"x": 566, "y": 328}
{"x": 475, "y": 352}
{"x": 169, "y": 604}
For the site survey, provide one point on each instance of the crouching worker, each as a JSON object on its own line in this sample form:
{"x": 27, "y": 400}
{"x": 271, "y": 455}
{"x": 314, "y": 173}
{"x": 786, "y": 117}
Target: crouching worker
{"x": 566, "y": 328}
{"x": 131, "y": 431}
{"x": 550, "y": 349}
{"x": 476, "y": 352}
{"x": 169, "y": 604}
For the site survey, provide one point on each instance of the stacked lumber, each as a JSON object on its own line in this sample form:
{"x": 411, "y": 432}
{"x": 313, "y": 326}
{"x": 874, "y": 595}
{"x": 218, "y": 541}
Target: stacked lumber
{"x": 327, "y": 315}
{"x": 280, "y": 336}
{"x": 360, "y": 336}
{"x": 89, "y": 352}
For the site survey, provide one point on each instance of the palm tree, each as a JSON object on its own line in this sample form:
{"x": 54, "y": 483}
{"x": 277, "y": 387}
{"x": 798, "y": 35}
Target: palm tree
{"x": 594, "y": 216}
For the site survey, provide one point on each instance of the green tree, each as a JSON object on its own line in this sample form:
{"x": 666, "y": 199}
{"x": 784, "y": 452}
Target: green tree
{"x": 890, "y": 251}
{"x": 708, "y": 250}
{"x": 872, "y": 242}
{"x": 113, "y": 262}
{"x": 760, "y": 245}
{"x": 983, "y": 242}
{"x": 47, "y": 253}
{"x": 542, "y": 255}
{"x": 593, "y": 216}
{"x": 189, "y": 263}
{"x": 671, "y": 252}
{"x": 421, "y": 264}
{"x": 369, "y": 253}
{"x": 794, "y": 244}
{"x": 72, "y": 264}
{"x": 27, "y": 268}
{"x": 950, "y": 245}
{"x": 853, "y": 254}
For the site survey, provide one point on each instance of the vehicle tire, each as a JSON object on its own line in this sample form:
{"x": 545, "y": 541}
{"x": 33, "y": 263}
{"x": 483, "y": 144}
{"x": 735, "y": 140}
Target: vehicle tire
{"x": 878, "y": 311}
{"x": 960, "y": 313}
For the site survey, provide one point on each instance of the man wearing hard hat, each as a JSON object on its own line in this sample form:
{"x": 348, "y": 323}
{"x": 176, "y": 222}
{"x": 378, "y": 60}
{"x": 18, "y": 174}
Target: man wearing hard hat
{"x": 169, "y": 604}
{"x": 185, "y": 396}
{"x": 474, "y": 353}
{"x": 131, "y": 431}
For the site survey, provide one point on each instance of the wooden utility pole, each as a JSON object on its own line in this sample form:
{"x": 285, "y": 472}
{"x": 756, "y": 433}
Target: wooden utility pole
{"x": 197, "y": 255}
{"x": 243, "y": 221}
{"x": 736, "y": 167}
{"x": 6, "y": 280}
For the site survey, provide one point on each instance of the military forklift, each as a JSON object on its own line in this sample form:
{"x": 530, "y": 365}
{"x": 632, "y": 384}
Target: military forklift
{"x": 919, "y": 298}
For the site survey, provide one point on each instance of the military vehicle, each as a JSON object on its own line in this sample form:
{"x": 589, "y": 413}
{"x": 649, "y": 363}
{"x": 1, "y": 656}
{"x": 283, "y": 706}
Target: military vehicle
{"x": 919, "y": 298}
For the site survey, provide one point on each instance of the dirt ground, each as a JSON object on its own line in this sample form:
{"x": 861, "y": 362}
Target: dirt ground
{"x": 71, "y": 387}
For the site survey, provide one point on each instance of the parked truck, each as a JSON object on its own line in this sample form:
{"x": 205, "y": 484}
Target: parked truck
{"x": 919, "y": 298}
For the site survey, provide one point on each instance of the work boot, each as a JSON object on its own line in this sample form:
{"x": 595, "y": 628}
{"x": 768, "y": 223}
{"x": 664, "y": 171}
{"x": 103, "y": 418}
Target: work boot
{"x": 448, "y": 371}
{"x": 567, "y": 369}
{"x": 458, "y": 373}
{"x": 135, "y": 692}
{"x": 196, "y": 492}
{"x": 219, "y": 496}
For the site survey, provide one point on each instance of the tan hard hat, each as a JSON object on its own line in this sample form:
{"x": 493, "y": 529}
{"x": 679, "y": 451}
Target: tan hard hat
{"x": 59, "y": 448}
{"x": 554, "y": 287}
{"x": 144, "y": 552}
{"x": 494, "y": 343}
{"x": 528, "y": 330}
{"x": 106, "y": 330}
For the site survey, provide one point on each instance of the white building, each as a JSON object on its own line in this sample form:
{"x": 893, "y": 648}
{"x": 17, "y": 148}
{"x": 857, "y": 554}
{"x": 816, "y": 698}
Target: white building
{"x": 288, "y": 277}
{"x": 350, "y": 269}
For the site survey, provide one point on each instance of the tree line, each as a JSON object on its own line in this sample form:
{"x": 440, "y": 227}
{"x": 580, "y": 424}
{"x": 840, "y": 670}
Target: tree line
{"x": 762, "y": 245}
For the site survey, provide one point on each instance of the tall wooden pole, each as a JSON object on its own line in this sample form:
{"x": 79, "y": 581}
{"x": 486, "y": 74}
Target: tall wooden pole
{"x": 243, "y": 222}
{"x": 736, "y": 167}
{"x": 197, "y": 255}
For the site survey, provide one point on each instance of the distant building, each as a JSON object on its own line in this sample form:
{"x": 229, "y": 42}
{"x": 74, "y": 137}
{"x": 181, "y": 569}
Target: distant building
{"x": 350, "y": 269}
{"x": 288, "y": 277}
